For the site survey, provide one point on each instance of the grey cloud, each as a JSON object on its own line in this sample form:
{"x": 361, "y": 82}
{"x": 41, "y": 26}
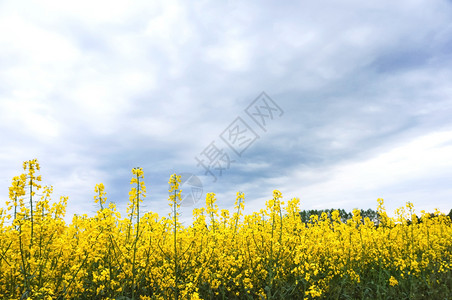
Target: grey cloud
{"x": 354, "y": 79}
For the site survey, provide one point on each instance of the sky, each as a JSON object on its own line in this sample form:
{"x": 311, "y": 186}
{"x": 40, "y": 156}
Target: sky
{"x": 338, "y": 103}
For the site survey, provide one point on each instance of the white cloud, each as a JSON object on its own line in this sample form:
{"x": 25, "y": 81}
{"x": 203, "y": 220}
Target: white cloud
{"x": 231, "y": 55}
{"x": 389, "y": 174}
{"x": 35, "y": 44}
{"x": 29, "y": 117}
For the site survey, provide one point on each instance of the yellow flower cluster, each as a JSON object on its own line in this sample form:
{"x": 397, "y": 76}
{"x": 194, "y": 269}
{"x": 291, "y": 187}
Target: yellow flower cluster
{"x": 270, "y": 254}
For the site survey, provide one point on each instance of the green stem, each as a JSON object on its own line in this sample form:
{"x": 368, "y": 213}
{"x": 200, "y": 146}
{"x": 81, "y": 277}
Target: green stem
{"x": 31, "y": 211}
{"x": 176, "y": 267}
{"x": 136, "y": 236}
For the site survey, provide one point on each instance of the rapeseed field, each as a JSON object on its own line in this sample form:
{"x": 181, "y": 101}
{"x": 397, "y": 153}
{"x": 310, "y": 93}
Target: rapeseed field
{"x": 269, "y": 254}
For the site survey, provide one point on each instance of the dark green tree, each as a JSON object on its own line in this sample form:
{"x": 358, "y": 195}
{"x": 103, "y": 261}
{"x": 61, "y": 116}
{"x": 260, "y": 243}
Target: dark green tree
{"x": 305, "y": 215}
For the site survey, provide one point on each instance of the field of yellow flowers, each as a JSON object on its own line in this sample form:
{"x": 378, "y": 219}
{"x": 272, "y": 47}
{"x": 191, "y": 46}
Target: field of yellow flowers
{"x": 270, "y": 254}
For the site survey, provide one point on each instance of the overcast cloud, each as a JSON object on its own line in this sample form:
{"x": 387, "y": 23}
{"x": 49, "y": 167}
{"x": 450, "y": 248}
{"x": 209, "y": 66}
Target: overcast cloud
{"x": 95, "y": 88}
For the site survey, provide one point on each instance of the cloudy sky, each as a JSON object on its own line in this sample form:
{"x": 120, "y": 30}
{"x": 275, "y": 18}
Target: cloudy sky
{"x": 357, "y": 103}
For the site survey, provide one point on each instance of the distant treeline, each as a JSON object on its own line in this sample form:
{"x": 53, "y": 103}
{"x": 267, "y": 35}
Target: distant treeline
{"x": 346, "y": 215}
